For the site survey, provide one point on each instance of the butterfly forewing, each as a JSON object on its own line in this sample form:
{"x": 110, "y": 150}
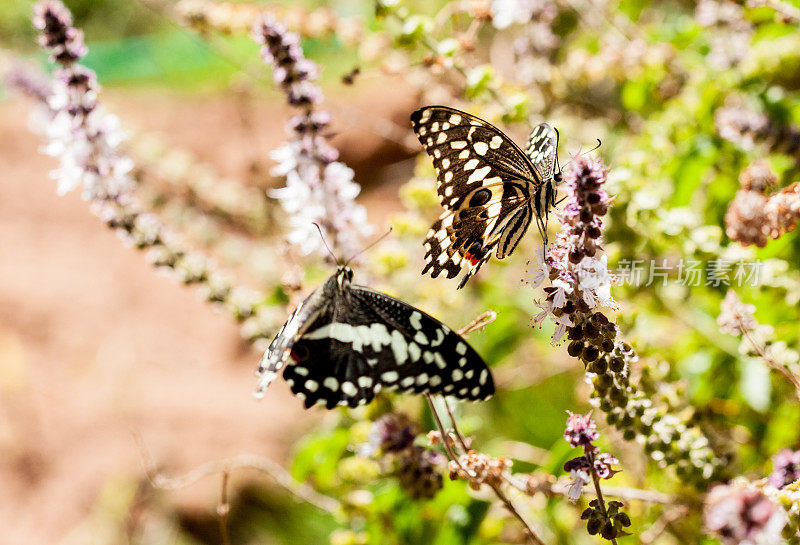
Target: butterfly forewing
{"x": 361, "y": 341}
{"x": 279, "y": 351}
{"x": 484, "y": 180}
{"x": 468, "y": 152}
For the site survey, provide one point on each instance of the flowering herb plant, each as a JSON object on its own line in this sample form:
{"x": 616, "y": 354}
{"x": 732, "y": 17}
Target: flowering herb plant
{"x": 691, "y": 389}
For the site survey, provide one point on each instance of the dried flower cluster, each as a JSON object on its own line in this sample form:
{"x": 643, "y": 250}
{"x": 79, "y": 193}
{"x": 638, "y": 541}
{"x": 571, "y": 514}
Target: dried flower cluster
{"x": 418, "y": 469}
{"x": 745, "y": 127}
{"x": 478, "y": 468}
{"x": 173, "y": 172}
{"x": 754, "y": 216}
{"x": 319, "y": 189}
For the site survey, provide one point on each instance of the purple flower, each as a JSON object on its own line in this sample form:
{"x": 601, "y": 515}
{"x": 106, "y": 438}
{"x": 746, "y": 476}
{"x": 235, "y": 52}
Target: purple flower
{"x": 80, "y": 133}
{"x": 786, "y": 468}
{"x": 581, "y": 431}
{"x": 319, "y": 190}
{"x": 392, "y": 432}
{"x": 739, "y": 515}
{"x": 57, "y": 35}
{"x": 579, "y": 277}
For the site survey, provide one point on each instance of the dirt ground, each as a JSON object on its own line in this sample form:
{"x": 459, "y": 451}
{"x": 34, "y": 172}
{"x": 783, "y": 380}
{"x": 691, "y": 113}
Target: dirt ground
{"x": 96, "y": 350}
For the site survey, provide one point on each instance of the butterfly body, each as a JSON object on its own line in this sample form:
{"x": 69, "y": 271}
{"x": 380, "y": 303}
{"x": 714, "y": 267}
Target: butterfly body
{"x": 346, "y": 342}
{"x": 489, "y": 187}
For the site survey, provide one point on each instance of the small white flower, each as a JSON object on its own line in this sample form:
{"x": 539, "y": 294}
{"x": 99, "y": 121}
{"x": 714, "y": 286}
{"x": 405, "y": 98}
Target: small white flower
{"x": 562, "y": 290}
{"x": 580, "y": 478}
{"x": 507, "y": 12}
{"x": 562, "y": 323}
{"x": 541, "y": 270}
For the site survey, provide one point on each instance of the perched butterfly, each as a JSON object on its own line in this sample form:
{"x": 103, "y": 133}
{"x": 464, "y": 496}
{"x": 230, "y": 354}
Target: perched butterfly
{"x": 489, "y": 187}
{"x": 346, "y": 342}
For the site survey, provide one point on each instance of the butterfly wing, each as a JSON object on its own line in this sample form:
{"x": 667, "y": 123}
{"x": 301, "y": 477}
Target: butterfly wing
{"x": 279, "y": 351}
{"x": 378, "y": 342}
{"x": 484, "y": 179}
{"x": 542, "y": 149}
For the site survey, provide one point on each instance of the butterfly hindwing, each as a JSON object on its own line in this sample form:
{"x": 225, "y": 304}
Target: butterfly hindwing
{"x": 360, "y": 341}
{"x": 484, "y": 179}
{"x": 438, "y": 358}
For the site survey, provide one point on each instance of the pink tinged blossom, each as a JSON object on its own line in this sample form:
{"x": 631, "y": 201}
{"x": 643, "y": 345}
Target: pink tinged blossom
{"x": 581, "y": 431}
{"x": 741, "y": 515}
{"x": 786, "y": 468}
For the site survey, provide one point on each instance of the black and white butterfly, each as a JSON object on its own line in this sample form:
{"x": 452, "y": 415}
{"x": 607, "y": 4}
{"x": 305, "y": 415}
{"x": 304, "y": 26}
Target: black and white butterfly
{"x": 490, "y": 188}
{"x": 345, "y": 343}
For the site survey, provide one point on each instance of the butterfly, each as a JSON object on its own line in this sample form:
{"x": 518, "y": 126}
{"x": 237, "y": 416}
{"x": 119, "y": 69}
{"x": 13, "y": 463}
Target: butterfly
{"x": 345, "y": 343}
{"x": 490, "y": 188}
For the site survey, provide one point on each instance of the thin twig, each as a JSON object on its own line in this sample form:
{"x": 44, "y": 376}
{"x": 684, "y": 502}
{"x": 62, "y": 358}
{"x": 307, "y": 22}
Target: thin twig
{"x": 245, "y": 461}
{"x": 561, "y": 487}
{"x": 787, "y": 11}
{"x": 510, "y": 506}
{"x": 456, "y": 431}
{"x": 447, "y": 447}
{"x": 660, "y": 525}
{"x": 224, "y": 508}
{"x": 762, "y": 353}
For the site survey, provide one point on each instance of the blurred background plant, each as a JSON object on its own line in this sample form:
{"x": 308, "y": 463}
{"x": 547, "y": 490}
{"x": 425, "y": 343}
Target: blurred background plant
{"x": 698, "y": 110}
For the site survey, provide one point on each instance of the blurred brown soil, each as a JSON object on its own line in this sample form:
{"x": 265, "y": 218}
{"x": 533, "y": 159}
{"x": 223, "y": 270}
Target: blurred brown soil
{"x": 97, "y": 350}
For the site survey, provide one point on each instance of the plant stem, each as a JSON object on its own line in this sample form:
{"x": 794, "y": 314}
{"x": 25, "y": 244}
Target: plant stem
{"x": 599, "y": 493}
{"x": 530, "y": 532}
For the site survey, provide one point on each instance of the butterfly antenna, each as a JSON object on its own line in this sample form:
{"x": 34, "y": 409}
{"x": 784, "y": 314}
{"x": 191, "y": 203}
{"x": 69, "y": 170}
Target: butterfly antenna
{"x": 325, "y": 242}
{"x": 370, "y": 245}
{"x": 599, "y": 143}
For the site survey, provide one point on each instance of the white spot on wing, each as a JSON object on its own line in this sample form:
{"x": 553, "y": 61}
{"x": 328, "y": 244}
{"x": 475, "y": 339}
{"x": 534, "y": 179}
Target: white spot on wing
{"x": 479, "y": 174}
{"x": 349, "y": 389}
